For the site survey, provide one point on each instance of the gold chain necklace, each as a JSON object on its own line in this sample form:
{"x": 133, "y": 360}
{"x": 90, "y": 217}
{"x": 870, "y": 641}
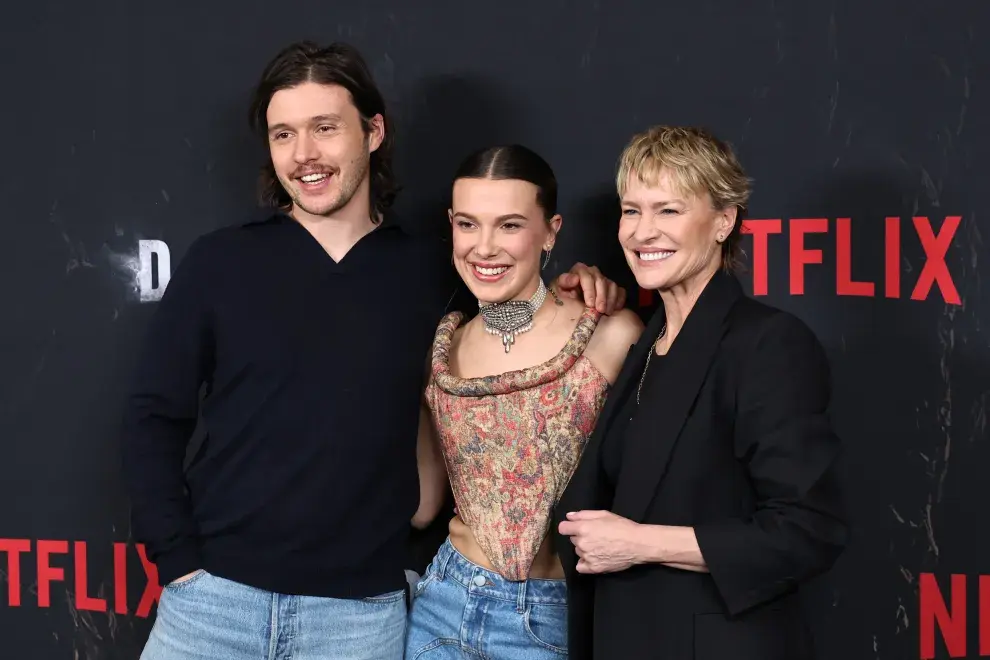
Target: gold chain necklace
{"x": 653, "y": 349}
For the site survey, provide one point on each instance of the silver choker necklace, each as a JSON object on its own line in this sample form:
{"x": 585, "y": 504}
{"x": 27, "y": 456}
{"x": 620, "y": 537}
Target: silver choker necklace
{"x": 512, "y": 317}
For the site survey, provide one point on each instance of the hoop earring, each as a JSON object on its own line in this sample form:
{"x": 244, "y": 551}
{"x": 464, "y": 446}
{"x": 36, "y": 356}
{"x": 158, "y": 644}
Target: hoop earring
{"x": 547, "y": 259}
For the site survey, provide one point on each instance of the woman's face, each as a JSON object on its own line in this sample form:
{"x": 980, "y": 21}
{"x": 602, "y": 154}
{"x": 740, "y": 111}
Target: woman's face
{"x": 499, "y": 231}
{"x": 670, "y": 237}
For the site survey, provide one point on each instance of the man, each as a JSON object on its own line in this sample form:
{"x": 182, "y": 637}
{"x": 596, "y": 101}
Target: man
{"x": 287, "y": 535}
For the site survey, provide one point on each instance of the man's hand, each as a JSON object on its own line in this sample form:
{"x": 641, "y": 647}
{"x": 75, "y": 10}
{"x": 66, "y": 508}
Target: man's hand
{"x": 599, "y": 292}
{"x": 603, "y": 541}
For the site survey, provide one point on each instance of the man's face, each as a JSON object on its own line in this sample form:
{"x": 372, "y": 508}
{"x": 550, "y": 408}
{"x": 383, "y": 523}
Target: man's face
{"x": 320, "y": 150}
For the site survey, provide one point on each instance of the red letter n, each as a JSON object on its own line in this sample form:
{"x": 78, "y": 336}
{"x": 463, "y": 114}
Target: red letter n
{"x": 933, "y": 609}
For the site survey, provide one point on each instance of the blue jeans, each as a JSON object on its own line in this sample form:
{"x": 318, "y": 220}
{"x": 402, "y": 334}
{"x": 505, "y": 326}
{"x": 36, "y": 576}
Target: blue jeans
{"x": 209, "y": 618}
{"x": 462, "y": 610}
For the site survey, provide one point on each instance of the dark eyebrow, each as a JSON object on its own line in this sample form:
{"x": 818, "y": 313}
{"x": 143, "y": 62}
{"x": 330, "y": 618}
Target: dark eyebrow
{"x": 501, "y": 218}
{"x": 318, "y": 119}
{"x": 322, "y": 118}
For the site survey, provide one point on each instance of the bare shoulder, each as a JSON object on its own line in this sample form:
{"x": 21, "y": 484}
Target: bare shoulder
{"x": 624, "y": 326}
{"x": 613, "y": 338}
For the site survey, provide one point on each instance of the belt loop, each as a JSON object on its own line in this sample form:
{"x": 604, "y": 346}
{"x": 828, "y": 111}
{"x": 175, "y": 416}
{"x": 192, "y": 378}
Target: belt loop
{"x": 445, "y": 555}
{"x": 521, "y": 597}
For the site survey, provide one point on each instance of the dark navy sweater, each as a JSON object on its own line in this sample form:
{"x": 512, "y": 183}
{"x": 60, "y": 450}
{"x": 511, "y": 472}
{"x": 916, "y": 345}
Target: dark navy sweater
{"x": 313, "y": 371}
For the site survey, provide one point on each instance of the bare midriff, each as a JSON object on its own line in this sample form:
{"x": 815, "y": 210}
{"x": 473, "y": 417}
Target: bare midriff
{"x": 546, "y": 564}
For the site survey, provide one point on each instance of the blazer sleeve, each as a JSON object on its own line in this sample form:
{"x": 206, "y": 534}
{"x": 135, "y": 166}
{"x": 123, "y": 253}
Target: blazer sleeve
{"x": 784, "y": 437}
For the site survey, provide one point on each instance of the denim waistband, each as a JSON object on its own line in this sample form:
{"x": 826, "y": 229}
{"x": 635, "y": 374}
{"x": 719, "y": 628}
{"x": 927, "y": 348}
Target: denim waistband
{"x": 449, "y": 563}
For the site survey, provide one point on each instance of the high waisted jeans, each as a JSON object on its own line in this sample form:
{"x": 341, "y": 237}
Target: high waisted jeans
{"x": 462, "y": 610}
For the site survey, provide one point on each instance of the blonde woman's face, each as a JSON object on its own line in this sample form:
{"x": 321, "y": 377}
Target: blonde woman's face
{"x": 669, "y": 237}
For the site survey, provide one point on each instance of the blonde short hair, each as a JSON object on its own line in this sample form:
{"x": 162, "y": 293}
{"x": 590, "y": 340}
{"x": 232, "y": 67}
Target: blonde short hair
{"x": 697, "y": 163}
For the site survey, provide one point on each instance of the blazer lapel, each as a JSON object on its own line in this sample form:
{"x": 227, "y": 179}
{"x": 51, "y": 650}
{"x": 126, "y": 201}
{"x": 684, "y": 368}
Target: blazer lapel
{"x": 654, "y": 432}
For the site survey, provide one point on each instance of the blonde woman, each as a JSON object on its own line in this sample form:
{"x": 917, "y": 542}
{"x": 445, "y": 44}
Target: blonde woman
{"x": 707, "y": 495}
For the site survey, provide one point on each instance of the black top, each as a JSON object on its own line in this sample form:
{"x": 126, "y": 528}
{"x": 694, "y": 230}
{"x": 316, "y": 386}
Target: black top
{"x": 733, "y": 439}
{"x": 613, "y": 450}
{"x": 306, "y": 482}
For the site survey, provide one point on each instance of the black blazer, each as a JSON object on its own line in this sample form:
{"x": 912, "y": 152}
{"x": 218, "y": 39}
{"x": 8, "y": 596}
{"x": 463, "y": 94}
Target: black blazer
{"x": 733, "y": 440}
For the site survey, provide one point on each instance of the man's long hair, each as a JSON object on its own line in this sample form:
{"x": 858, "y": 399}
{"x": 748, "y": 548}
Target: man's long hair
{"x": 336, "y": 64}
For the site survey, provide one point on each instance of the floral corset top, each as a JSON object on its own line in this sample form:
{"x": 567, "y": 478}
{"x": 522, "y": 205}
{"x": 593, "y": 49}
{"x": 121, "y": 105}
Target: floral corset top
{"x": 512, "y": 441}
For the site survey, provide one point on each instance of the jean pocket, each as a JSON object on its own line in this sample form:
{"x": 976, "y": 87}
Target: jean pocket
{"x": 386, "y": 599}
{"x": 547, "y": 626}
{"x": 194, "y": 578}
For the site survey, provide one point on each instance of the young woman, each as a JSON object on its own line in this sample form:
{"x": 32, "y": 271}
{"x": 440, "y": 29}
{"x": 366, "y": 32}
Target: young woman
{"x": 514, "y": 394}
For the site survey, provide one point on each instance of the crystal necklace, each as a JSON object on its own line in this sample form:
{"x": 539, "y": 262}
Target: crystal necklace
{"x": 512, "y": 317}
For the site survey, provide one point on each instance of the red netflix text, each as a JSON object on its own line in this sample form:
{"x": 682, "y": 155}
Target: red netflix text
{"x": 47, "y": 555}
{"x": 933, "y": 275}
{"x": 944, "y": 615}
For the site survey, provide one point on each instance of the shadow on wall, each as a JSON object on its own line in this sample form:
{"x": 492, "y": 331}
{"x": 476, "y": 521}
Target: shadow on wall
{"x": 236, "y": 163}
{"x": 440, "y": 120}
{"x": 590, "y": 234}
{"x": 901, "y": 395}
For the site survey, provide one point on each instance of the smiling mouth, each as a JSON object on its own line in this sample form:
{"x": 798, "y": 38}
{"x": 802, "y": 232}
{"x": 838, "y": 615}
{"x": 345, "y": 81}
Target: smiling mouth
{"x": 654, "y": 255}
{"x": 314, "y": 178}
{"x": 489, "y": 272}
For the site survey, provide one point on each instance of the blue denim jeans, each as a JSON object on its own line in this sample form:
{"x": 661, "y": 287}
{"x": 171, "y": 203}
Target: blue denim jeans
{"x": 209, "y": 618}
{"x": 462, "y": 610}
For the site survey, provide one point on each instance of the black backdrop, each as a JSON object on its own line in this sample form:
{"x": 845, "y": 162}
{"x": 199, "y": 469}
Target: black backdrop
{"x": 125, "y": 138}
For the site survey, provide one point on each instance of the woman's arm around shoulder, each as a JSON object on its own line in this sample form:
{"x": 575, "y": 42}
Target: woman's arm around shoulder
{"x": 613, "y": 338}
